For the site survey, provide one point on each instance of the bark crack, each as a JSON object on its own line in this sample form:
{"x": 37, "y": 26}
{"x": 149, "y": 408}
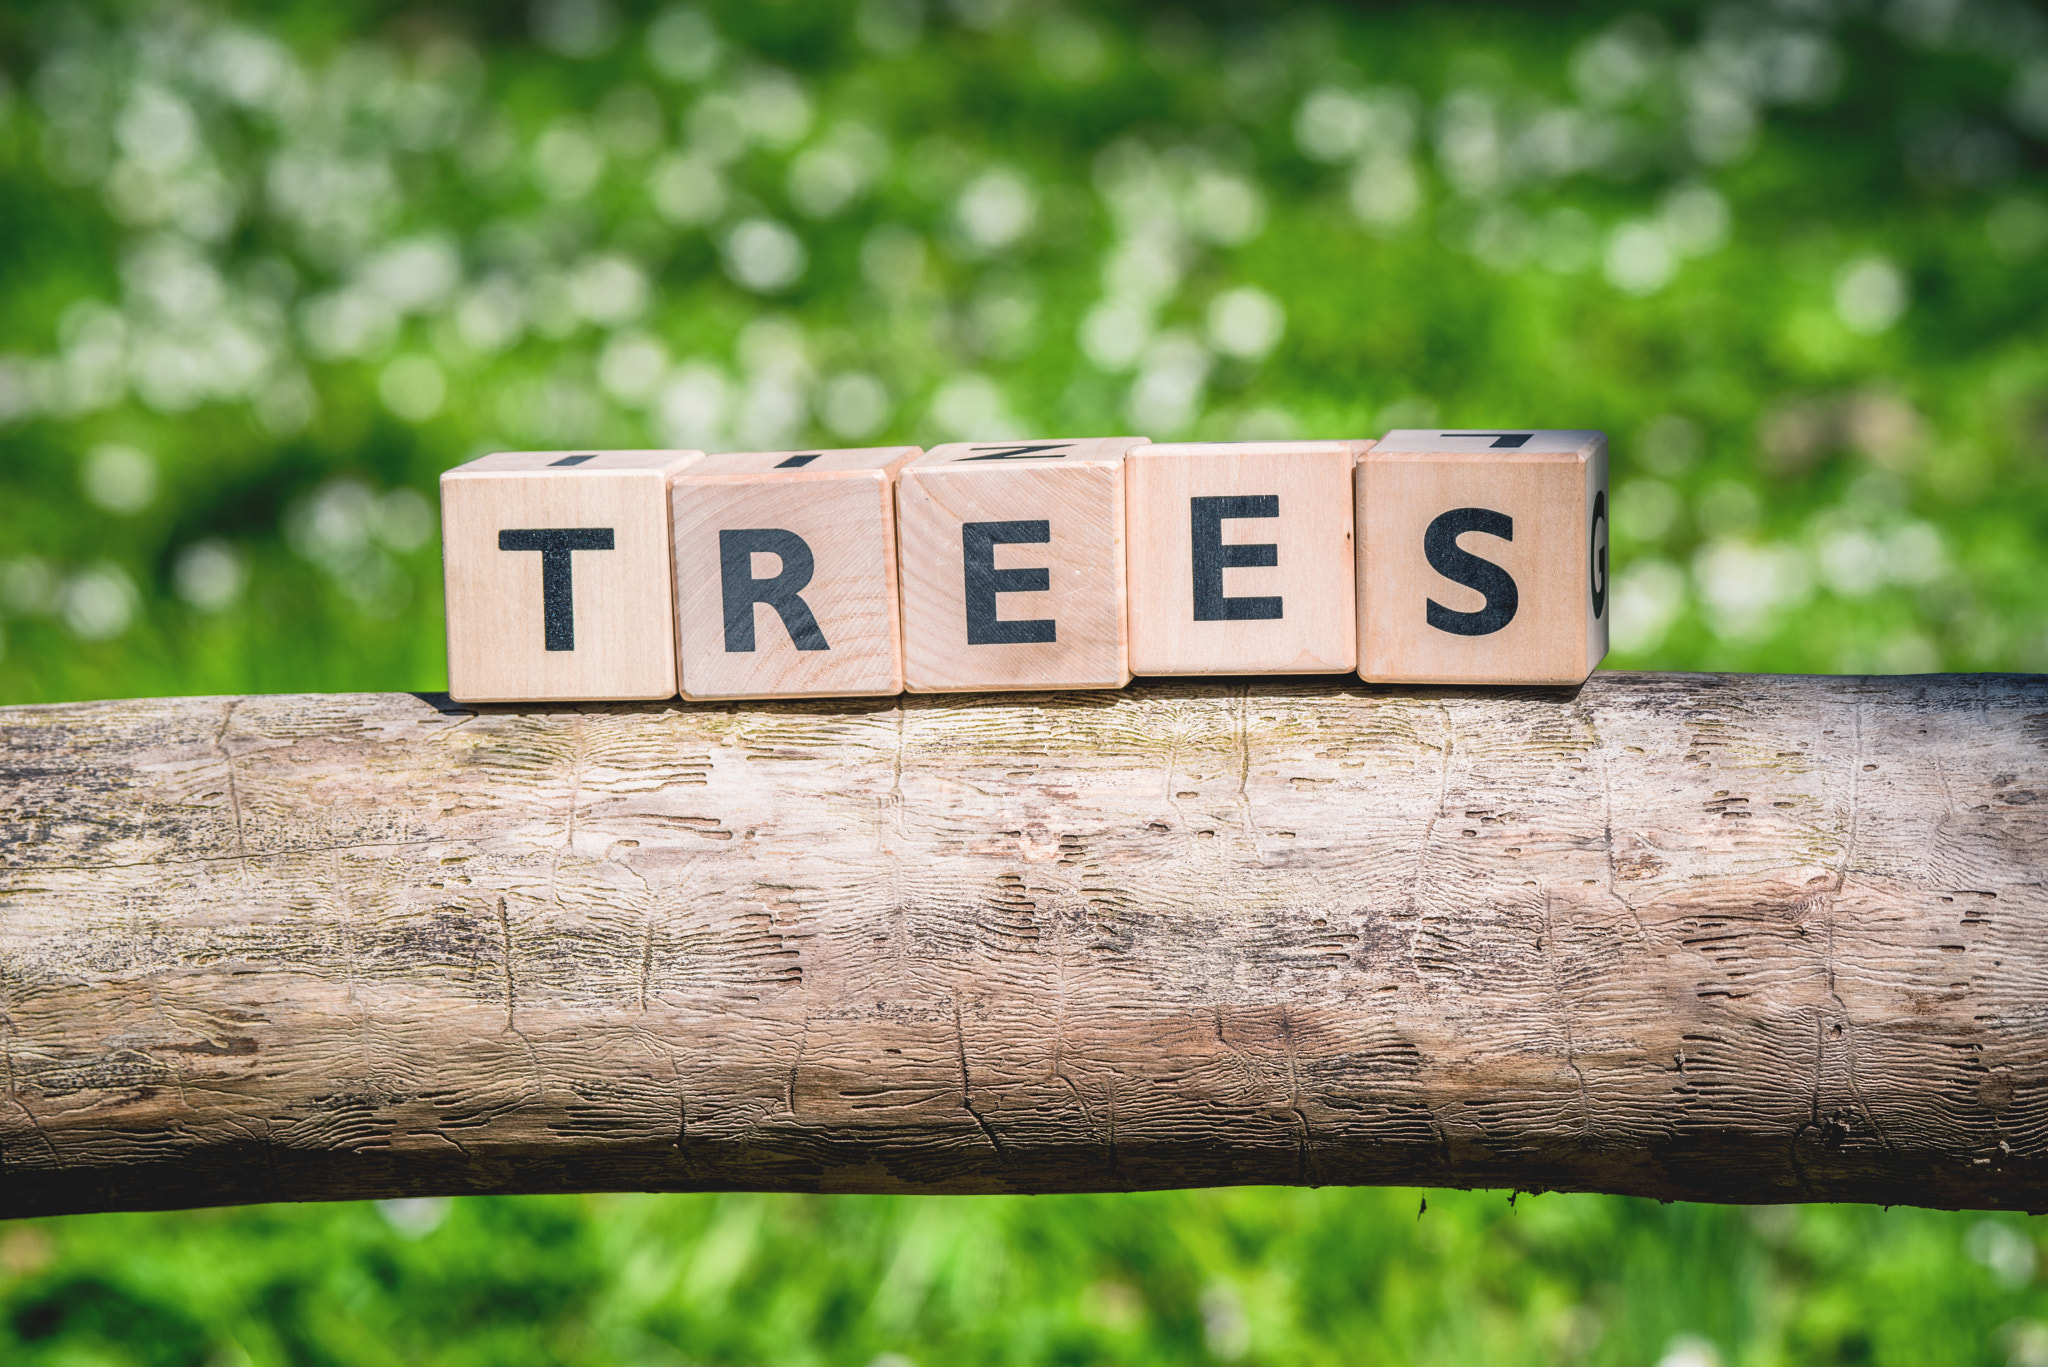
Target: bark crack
{"x": 1830, "y": 898}
{"x": 1244, "y": 762}
{"x": 345, "y": 932}
{"x": 13, "y": 1093}
{"x": 1607, "y": 822}
{"x": 505, "y": 931}
{"x": 803, "y": 1042}
{"x": 575, "y": 789}
{"x": 1564, "y": 1000}
{"x": 896, "y": 766}
{"x": 967, "y": 1086}
{"x": 1116, "y": 1162}
{"x": 1422, "y": 847}
{"x": 1301, "y": 1163}
{"x": 234, "y": 790}
{"x": 578, "y": 734}
{"x": 1059, "y": 1027}
{"x": 646, "y": 962}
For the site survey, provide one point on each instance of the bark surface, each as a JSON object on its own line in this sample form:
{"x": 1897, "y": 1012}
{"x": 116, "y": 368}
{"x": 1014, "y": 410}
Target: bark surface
{"x": 1704, "y": 937}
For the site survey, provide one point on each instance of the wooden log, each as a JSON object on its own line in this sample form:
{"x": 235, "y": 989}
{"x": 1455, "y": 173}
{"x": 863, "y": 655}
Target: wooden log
{"x": 1702, "y": 937}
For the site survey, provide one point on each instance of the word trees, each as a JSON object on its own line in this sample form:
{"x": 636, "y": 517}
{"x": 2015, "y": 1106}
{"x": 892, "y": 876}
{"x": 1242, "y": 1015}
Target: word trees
{"x": 1462, "y": 557}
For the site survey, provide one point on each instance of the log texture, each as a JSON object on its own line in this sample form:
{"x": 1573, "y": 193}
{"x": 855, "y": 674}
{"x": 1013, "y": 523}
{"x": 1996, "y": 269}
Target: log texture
{"x": 1703, "y": 937}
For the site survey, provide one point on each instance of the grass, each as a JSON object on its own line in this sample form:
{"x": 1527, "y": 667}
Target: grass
{"x": 266, "y": 271}
{"x": 1257, "y": 1275}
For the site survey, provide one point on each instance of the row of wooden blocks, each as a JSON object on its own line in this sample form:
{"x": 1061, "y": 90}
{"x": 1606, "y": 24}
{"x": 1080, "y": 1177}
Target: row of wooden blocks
{"x": 1423, "y": 557}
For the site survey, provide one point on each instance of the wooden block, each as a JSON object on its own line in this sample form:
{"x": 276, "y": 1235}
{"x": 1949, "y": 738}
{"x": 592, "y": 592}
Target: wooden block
{"x": 1483, "y": 557}
{"x": 786, "y": 574}
{"x": 1240, "y": 557}
{"x": 558, "y": 576}
{"x": 1011, "y": 560}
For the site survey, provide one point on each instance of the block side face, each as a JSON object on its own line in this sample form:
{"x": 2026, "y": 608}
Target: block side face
{"x": 1497, "y": 443}
{"x": 619, "y": 641}
{"x": 831, "y": 633}
{"x": 1361, "y": 531}
{"x": 561, "y": 463}
{"x": 1082, "y": 560}
{"x": 797, "y": 463}
{"x": 1192, "y": 612}
{"x": 1599, "y": 535}
{"x": 1499, "y": 547}
{"x": 985, "y": 455}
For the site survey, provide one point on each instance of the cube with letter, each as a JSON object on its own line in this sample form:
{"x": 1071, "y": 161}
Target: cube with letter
{"x": 558, "y": 575}
{"x": 1241, "y": 557}
{"x": 1011, "y": 559}
{"x": 786, "y": 574}
{"x": 1483, "y": 557}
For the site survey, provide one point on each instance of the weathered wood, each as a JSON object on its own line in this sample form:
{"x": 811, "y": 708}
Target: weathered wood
{"x": 1703, "y": 937}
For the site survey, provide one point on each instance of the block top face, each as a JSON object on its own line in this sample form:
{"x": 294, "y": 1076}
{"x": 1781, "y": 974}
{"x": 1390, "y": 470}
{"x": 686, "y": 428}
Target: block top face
{"x": 1495, "y": 443}
{"x": 1034, "y": 451}
{"x": 576, "y": 462}
{"x": 854, "y": 460}
{"x": 1258, "y": 448}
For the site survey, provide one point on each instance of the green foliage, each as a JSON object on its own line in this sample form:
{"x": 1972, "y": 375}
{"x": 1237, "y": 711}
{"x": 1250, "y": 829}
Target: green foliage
{"x": 266, "y": 270}
{"x": 1252, "y": 1276}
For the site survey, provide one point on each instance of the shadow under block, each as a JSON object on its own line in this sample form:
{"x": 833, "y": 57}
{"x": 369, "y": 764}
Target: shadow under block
{"x": 786, "y": 574}
{"x": 1483, "y": 557}
{"x": 558, "y": 576}
{"x": 1011, "y": 560}
{"x": 1241, "y": 557}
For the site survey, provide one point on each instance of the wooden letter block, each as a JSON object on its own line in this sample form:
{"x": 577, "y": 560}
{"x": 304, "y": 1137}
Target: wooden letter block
{"x": 1240, "y": 557}
{"x": 1483, "y": 557}
{"x": 558, "y": 579}
{"x": 786, "y": 574}
{"x": 1011, "y": 559}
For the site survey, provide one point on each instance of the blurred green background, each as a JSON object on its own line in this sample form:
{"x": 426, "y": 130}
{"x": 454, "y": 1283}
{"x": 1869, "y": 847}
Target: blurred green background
{"x": 266, "y": 270}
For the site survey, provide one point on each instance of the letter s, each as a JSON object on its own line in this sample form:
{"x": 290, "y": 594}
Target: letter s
{"x": 1460, "y": 566}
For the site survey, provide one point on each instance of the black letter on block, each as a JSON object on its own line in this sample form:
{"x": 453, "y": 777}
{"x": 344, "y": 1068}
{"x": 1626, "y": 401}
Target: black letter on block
{"x": 736, "y": 575}
{"x": 557, "y": 591}
{"x": 1454, "y": 562}
{"x": 978, "y": 541}
{"x": 1212, "y": 557}
{"x": 1598, "y": 552}
{"x": 1019, "y": 452}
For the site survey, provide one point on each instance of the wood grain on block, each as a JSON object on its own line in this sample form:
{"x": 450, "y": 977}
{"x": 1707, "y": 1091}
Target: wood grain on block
{"x": 1011, "y": 565}
{"x": 1241, "y": 557}
{"x": 786, "y": 574}
{"x": 1694, "y": 937}
{"x": 558, "y": 575}
{"x": 1483, "y": 557}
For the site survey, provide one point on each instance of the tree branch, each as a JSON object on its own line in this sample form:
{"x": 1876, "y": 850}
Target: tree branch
{"x": 1698, "y": 937}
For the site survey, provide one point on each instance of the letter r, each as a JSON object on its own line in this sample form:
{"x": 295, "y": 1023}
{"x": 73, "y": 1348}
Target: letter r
{"x": 736, "y": 550}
